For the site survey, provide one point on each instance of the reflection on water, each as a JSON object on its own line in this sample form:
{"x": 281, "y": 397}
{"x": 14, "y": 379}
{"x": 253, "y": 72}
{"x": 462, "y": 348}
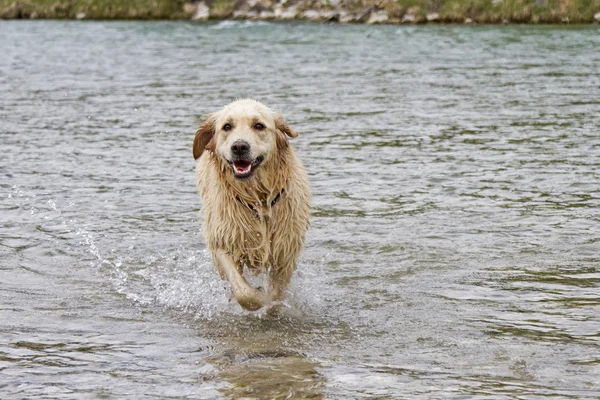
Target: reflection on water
{"x": 270, "y": 355}
{"x": 454, "y": 243}
{"x": 255, "y": 363}
{"x": 273, "y": 376}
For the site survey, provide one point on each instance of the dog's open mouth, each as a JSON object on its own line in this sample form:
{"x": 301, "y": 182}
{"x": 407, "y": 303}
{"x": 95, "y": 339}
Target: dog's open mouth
{"x": 243, "y": 169}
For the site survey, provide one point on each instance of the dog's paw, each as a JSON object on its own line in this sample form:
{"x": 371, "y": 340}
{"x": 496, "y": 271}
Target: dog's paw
{"x": 250, "y": 304}
{"x": 251, "y": 299}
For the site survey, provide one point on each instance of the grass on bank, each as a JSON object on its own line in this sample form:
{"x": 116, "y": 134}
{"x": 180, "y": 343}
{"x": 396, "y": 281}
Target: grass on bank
{"x": 92, "y": 9}
{"x": 520, "y": 11}
{"x": 483, "y": 11}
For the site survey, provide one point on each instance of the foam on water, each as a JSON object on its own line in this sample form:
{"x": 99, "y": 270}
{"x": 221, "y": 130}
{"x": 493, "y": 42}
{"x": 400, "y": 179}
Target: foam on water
{"x": 229, "y": 24}
{"x": 178, "y": 278}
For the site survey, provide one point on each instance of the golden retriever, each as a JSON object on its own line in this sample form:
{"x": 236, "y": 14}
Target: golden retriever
{"x": 255, "y": 196}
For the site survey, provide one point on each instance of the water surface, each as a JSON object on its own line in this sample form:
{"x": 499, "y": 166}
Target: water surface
{"x": 455, "y": 238}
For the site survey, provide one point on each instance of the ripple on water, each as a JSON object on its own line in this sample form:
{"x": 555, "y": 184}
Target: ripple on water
{"x": 454, "y": 240}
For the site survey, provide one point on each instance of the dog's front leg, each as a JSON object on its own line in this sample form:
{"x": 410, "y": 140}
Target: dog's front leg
{"x": 248, "y": 297}
{"x": 279, "y": 280}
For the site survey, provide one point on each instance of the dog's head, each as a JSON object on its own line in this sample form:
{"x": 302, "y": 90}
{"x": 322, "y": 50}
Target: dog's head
{"x": 244, "y": 134}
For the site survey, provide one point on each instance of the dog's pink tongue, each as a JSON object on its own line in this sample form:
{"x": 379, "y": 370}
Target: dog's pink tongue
{"x": 242, "y": 166}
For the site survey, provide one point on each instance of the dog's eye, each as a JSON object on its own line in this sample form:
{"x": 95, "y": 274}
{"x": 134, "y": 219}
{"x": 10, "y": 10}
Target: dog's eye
{"x": 258, "y": 126}
{"x": 227, "y": 127}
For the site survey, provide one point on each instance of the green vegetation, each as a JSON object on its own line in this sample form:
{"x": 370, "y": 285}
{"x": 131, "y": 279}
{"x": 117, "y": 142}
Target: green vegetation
{"x": 221, "y": 9}
{"x": 521, "y": 11}
{"x": 496, "y": 11}
{"x": 416, "y": 11}
{"x": 92, "y": 9}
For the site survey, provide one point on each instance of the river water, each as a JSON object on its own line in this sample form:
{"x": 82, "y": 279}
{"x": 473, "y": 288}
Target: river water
{"x": 454, "y": 249}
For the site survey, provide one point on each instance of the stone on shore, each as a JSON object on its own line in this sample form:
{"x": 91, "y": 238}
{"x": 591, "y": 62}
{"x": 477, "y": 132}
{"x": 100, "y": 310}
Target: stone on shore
{"x": 433, "y": 17}
{"x": 266, "y": 14}
{"x": 408, "y": 18}
{"x": 189, "y": 8}
{"x": 377, "y": 17}
{"x": 202, "y": 11}
{"x": 286, "y": 13}
{"x": 345, "y": 17}
{"x": 311, "y": 15}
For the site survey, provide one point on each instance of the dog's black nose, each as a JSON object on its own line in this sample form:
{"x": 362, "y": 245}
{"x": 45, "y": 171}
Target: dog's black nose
{"x": 240, "y": 147}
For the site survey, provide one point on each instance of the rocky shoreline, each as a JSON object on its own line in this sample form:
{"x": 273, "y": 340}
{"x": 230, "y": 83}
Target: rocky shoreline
{"x": 384, "y": 12}
{"x": 341, "y": 11}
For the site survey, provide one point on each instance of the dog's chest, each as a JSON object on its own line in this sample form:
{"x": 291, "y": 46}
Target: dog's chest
{"x": 256, "y": 240}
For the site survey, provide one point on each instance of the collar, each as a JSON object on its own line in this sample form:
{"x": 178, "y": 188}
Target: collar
{"x": 273, "y": 202}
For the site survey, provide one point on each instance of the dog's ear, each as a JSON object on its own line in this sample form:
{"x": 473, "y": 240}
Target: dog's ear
{"x": 283, "y": 126}
{"x": 204, "y": 137}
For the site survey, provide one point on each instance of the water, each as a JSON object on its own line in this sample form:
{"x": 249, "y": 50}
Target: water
{"x": 455, "y": 239}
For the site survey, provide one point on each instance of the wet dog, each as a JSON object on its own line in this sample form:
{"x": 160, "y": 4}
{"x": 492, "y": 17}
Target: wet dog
{"x": 255, "y": 198}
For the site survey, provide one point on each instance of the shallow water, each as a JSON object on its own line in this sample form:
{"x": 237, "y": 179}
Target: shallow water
{"x": 455, "y": 239}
